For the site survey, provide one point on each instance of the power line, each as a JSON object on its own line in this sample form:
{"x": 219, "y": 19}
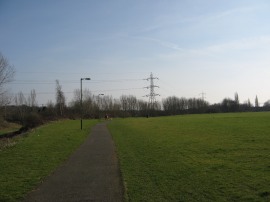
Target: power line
{"x": 108, "y": 90}
{"x": 79, "y": 73}
{"x": 170, "y": 87}
{"x": 71, "y": 81}
{"x": 123, "y": 89}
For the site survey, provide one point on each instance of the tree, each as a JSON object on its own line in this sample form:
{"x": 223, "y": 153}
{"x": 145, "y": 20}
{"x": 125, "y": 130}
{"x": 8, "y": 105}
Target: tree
{"x": 142, "y": 107}
{"x": 107, "y": 103}
{"x": 267, "y": 104}
{"x": 21, "y": 102}
{"x": 237, "y": 102}
{"x": 124, "y": 104}
{"x": 236, "y": 98}
{"x": 256, "y": 102}
{"x": 128, "y": 104}
{"x": 89, "y": 105}
{"x": 50, "y": 112}
{"x": 228, "y": 105}
{"x": 32, "y": 102}
{"x": 116, "y": 109}
{"x": 6, "y": 73}
{"x": 4, "y": 101}
{"x": 75, "y": 104}
{"x": 249, "y": 103}
{"x": 172, "y": 105}
{"x": 60, "y": 98}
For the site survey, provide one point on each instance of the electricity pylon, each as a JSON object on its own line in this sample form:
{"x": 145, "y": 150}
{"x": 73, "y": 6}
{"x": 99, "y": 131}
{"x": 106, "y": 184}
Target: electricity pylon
{"x": 203, "y": 95}
{"x": 152, "y": 95}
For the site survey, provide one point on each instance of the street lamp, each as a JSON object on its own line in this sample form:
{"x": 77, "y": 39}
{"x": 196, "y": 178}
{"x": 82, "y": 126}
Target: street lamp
{"x": 81, "y": 100}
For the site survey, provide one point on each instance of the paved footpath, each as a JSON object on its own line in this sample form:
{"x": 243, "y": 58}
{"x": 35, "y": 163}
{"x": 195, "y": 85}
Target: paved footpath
{"x": 91, "y": 173}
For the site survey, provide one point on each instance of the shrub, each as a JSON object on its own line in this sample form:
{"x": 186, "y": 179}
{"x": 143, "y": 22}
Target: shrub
{"x": 32, "y": 120}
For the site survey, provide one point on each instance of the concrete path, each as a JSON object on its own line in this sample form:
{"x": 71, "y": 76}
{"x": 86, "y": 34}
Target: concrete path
{"x": 91, "y": 173}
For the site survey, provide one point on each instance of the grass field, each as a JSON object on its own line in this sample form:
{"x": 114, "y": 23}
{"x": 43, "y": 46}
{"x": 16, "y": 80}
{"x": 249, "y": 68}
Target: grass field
{"x": 27, "y": 160}
{"x": 214, "y": 157}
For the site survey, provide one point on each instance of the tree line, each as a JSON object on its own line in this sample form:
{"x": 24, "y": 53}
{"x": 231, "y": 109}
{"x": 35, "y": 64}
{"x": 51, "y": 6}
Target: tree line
{"x": 25, "y": 109}
{"x": 27, "y": 112}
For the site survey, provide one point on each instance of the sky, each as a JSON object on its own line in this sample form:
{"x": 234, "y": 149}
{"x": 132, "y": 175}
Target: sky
{"x": 212, "y": 47}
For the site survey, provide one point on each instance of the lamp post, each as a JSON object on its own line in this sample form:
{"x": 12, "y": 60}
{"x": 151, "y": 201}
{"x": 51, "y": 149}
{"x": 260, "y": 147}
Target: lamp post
{"x": 81, "y": 100}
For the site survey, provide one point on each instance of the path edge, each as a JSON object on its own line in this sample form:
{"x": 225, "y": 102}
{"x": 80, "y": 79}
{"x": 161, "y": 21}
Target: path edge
{"x": 121, "y": 175}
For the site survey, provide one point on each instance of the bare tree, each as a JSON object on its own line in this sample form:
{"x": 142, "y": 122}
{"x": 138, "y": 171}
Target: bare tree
{"x": 21, "y": 102}
{"x": 32, "y": 101}
{"x": 116, "y": 106}
{"x": 132, "y": 103}
{"x": 5, "y": 99}
{"x": 6, "y": 72}
{"x": 142, "y": 107}
{"x": 89, "y": 105}
{"x": 76, "y": 101}
{"x": 77, "y": 96}
{"x": 6, "y": 75}
{"x": 175, "y": 105}
{"x": 60, "y": 98}
{"x": 124, "y": 103}
{"x": 107, "y": 103}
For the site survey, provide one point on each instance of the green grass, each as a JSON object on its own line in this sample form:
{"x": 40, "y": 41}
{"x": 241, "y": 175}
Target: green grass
{"x": 214, "y": 157}
{"x": 29, "y": 159}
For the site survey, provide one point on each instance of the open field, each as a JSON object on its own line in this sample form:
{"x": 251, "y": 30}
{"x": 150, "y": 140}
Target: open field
{"x": 214, "y": 157}
{"x": 29, "y": 159}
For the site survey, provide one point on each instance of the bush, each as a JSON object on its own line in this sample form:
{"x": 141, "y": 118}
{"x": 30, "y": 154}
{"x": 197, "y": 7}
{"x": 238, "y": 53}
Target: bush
{"x": 32, "y": 120}
{"x": 2, "y": 122}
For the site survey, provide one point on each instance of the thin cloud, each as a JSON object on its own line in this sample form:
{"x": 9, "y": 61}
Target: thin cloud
{"x": 241, "y": 44}
{"x": 233, "y": 11}
{"x": 171, "y": 21}
{"x": 163, "y": 43}
{"x": 198, "y": 21}
{"x": 251, "y": 43}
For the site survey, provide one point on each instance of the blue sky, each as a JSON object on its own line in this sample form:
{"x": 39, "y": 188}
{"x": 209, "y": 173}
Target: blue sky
{"x": 192, "y": 46}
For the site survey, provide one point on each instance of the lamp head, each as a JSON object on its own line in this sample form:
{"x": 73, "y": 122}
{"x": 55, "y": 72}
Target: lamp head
{"x": 85, "y": 79}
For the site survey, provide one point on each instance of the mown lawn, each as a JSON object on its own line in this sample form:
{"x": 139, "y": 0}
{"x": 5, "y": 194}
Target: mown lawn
{"x": 214, "y": 157}
{"x": 27, "y": 160}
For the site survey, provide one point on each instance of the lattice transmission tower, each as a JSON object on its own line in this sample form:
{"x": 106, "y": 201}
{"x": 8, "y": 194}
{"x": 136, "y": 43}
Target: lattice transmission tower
{"x": 152, "y": 95}
{"x": 203, "y": 95}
